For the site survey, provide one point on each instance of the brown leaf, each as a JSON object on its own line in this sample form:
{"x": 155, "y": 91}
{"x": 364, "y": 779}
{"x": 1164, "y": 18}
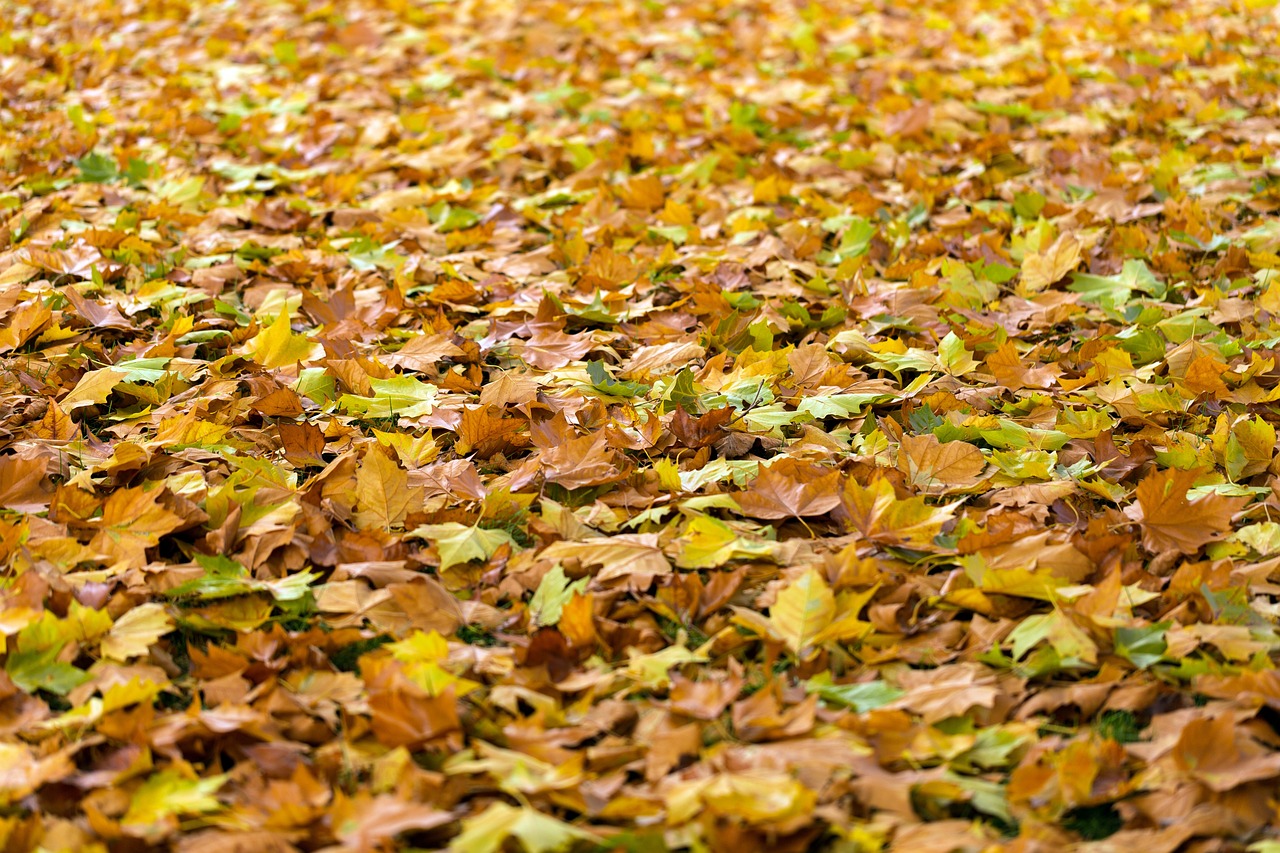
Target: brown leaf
{"x": 789, "y": 488}
{"x": 700, "y": 432}
{"x": 303, "y": 443}
{"x": 584, "y": 461}
{"x": 21, "y": 480}
{"x": 406, "y": 715}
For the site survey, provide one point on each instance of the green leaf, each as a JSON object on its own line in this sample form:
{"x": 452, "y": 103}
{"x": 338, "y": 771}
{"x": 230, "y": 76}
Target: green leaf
{"x": 168, "y": 794}
{"x": 953, "y": 357}
{"x": 606, "y": 384}
{"x": 863, "y": 697}
{"x": 553, "y": 593}
{"x": 1143, "y": 647}
{"x": 460, "y": 543}
{"x": 97, "y": 168}
{"x": 40, "y": 670}
{"x": 398, "y": 397}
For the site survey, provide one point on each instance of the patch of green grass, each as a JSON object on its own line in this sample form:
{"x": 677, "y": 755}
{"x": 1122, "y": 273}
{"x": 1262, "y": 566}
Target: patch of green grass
{"x": 1120, "y": 726}
{"x": 347, "y": 658}
{"x": 1093, "y": 823}
{"x": 476, "y": 635}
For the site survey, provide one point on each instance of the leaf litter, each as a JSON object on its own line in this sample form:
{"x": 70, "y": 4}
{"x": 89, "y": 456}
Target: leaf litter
{"x": 639, "y": 426}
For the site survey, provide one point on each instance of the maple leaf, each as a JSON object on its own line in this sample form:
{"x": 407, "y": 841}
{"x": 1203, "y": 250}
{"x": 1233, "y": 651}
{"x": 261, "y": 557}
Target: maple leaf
{"x": 160, "y": 799}
{"x": 486, "y": 431}
{"x": 1039, "y": 270}
{"x": 537, "y": 833}
{"x": 277, "y": 346}
{"x": 1170, "y": 521}
{"x": 93, "y": 388}
{"x": 637, "y": 556}
{"x": 789, "y": 488}
{"x": 553, "y": 593}
{"x": 582, "y": 462}
{"x": 396, "y": 407}
{"x": 549, "y": 350}
{"x": 1011, "y": 371}
{"x": 136, "y": 630}
{"x": 21, "y": 484}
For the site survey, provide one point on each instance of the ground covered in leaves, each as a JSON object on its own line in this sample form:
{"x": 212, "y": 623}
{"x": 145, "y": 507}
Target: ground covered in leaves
{"x": 629, "y": 425}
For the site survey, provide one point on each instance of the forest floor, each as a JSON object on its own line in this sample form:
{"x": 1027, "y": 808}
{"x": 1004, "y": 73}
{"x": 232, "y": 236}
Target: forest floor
{"x": 632, "y": 425}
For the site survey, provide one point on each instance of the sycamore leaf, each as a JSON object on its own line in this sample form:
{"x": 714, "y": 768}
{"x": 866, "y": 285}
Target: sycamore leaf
{"x": 1012, "y": 371}
{"x": 166, "y": 795}
{"x": 382, "y": 492}
{"x": 708, "y": 542}
{"x": 953, "y": 358}
{"x": 876, "y": 512}
{"x": 93, "y": 388}
{"x": 936, "y": 467}
{"x": 637, "y": 556}
{"x": 132, "y": 521}
{"x": 1041, "y": 269}
{"x": 277, "y": 346}
{"x": 553, "y": 593}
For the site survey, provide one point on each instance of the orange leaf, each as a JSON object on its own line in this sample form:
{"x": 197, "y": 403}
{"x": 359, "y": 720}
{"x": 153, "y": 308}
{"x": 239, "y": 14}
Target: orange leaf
{"x": 934, "y": 466}
{"x": 1171, "y": 522}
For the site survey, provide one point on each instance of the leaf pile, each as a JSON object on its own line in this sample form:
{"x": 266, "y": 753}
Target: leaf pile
{"x": 639, "y": 426}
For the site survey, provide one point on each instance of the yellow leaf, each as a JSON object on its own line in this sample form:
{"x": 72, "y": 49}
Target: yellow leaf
{"x": 802, "y": 610}
{"x": 93, "y": 388}
{"x": 459, "y": 543}
{"x": 135, "y": 631}
{"x": 382, "y": 492}
{"x": 1041, "y": 269}
{"x": 277, "y": 345}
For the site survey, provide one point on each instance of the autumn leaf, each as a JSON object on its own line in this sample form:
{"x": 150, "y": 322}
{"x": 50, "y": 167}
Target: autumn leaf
{"x": 1041, "y": 269}
{"x": 936, "y": 467}
{"x": 637, "y": 425}
{"x": 803, "y": 610}
{"x": 135, "y": 631}
{"x": 21, "y": 486}
{"x": 876, "y": 512}
{"x": 155, "y": 805}
{"x": 382, "y": 492}
{"x": 132, "y": 521}
{"x": 1170, "y": 521}
{"x": 790, "y": 489}
{"x": 636, "y": 556}
{"x": 536, "y": 833}
{"x": 459, "y": 543}
{"x": 277, "y": 346}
